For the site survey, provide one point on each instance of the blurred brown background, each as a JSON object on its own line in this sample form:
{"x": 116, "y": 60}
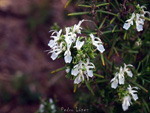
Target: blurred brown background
{"x": 24, "y": 65}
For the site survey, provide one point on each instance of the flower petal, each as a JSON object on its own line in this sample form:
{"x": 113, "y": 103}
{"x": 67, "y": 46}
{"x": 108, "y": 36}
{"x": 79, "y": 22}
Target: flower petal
{"x": 77, "y": 80}
{"x": 75, "y": 71}
{"x": 101, "y": 48}
{"x": 126, "y": 26}
{"x": 54, "y": 55}
{"x": 114, "y": 84}
{"x": 68, "y": 58}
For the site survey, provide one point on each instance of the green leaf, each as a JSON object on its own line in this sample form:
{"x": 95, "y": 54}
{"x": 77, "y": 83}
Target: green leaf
{"x": 101, "y": 81}
{"x": 146, "y": 105}
{"x": 116, "y": 51}
{"x": 138, "y": 85}
{"x": 102, "y": 23}
{"x": 112, "y": 20}
{"x": 78, "y": 13}
{"x": 148, "y": 19}
{"x": 125, "y": 35}
{"x": 117, "y": 3}
{"x": 114, "y": 28}
{"x": 57, "y": 70}
{"x": 106, "y": 12}
{"x": 99, "y": 5}
{"x": 132, "y": 51}
{"x": 89, "y": 87}
{"x": 82, "y": 5}
{"x": 69, "y": 1}
{"x": 100, "y": 76}
{"x": 102, "y": 58}
{"x": 106, "y": 32}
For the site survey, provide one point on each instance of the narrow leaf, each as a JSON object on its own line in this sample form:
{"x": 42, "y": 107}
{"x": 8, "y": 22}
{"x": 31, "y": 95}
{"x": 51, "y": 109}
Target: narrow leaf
{"x": 102, "y": 58}
{"x": 69, "y": 1}
{"x": 89, "y": 87}
{"x": 101, "y": 81}
{"x": 148, "y": 19}
{"x": 82, "y": 5}
{"x": 102, "y": 23}
{"x": 138, "y": 85}
{"x": 99, "y": 5}
{"x": 114, "y": 28}
{"x": 101, "y": 76}
{"x": 106, "y": 12}
{"x": 112, "y": 20}
{"x": 57, "y": 70}
{"x": 78, "y": 13}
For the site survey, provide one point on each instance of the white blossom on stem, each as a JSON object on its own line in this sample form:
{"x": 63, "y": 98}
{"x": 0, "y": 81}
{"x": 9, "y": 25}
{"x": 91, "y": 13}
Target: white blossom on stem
{"x": 53, "y": 42}
{"x": 114, "y": 81}
{"x": 88, "y": 66}
{"x": 77, "y": 28}
{"x": 79, "y": 44}
{"x": 139, "y": 22}
{"x": 129, "y": 22}
{"x": 126, "y": 102}
{"x": 76, "y": 68}
{"x": 127, "y": 99}
{"x": 120, "y": 76}
{"x": 56, "y": 50}
{"x": 132, "y": 92}
{"x": 129, "y": 72}
{"x": 82, "y": 69}
{"x": 67, "y": 54}
{"x": 98, "y": 43}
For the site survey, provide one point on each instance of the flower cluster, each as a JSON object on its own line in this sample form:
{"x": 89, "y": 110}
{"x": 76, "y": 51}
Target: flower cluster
{"x": 127, "y": 99}
{"x": 120, "y": 76}
{"x": 137, "y": 18}
{"x": 47, "y": 106}
{"x": 77, "y": 50}
{"x": 82, "y": 69}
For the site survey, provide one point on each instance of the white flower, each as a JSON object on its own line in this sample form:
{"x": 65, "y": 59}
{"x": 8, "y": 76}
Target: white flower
{"x": 132, "y": 92}
{"x": 70, "y": 37}
{"x": 139, "y": 22}
{"x": 88, "y": 65}
{"x": 56, "y": 50}
{"x": 79, "y": 44}
{"x": 137, "y": 18}
{"x": 67, "y": 54}
{"x": 129, "y": 73}
{"x": 67, "y": 70}
{"x": 82, "y": 69}
{"x": 77, "y": 28}
{"x": 126, "y": 102}
{"x": 114, "y": 81}
{"x": 41, "y": 108}
{"x": 53, "y": 42}
{"x": 127, "y": 99}
{"x": 79, "y": 78}
{"x": 143, "y": 11}
{"x": 129, "y": 22}
{"x": 67, "y": 36}
{"x": 51, "y": 100}
{"x": 119, "y": 76}
{"x": 98, "y": 43}
{"x": 76, "y": 68}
